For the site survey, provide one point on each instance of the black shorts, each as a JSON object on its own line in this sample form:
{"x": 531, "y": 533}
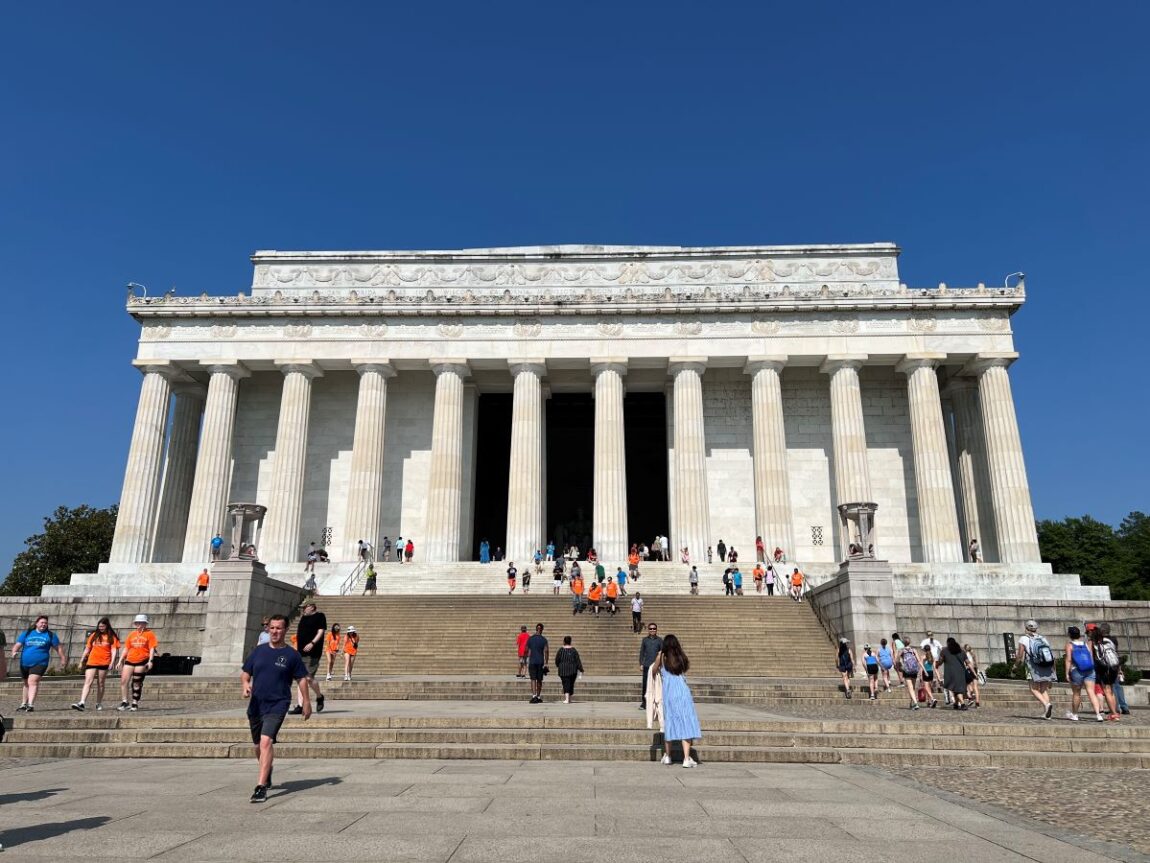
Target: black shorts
{"x": 27, "y": 670}
{"x": 134, "y": 665}
{"x": 96, "y": 667}
{"x": 535, "y": 672}
{"x": 264, "y": 724}
{"x": 200, "y": 589}
{"x": 872, "y": 670}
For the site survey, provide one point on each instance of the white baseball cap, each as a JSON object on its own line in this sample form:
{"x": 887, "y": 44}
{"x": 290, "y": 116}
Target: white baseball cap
{"x": 141, "y": 618}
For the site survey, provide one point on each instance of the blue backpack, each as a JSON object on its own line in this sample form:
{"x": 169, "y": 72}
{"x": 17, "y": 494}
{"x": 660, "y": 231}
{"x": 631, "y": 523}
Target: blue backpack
{"x": 885, "y": 659}
{"x": 1080, "y": 656}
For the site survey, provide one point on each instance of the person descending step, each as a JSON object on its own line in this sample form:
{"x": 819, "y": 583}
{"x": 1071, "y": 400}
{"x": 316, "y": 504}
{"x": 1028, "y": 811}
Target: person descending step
{"x": 1035, "y": 651}
{"x": 845, "y": 665}
{"x": 310, "y": 632}
{"x": 99, "y": 655}
{"x": 370, "y": 583}
{"x": 512, "y": 572}
{"x": 333, "y": 644}
{"x": 34, "y": 648}
{"x": 557, "y": 577}
{"x": 537, "y": 655}
{"x": 797, "y": 581}
{"x": 621, "y": 580}
{"x": 136, "y": 661}
{"x": 594, "y": 594}
{"x": 612, "y": 594}
{"x": 266, "y": 678}
{"x": 693, "y": 581}
{"x": 636, "y": 613}
{"x": 350, "y": 649}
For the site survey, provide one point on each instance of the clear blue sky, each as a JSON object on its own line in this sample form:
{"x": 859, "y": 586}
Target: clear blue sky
{"x": 164, "y": 144}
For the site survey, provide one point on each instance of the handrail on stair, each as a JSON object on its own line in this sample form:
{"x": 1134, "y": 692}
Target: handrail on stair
{"x": 349, "y": 583}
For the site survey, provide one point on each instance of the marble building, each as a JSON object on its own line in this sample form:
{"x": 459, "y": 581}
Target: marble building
{"x": 702, "y": 393}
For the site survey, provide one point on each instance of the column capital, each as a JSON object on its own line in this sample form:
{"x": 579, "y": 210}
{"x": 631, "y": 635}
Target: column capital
{"x": 381, "y": 367}
{"x": 233, "y": 368}
{"x": 451, "y": 364}
{"x": 535, "y": 365}
{"x": 834, "y": 362}
{"x": 989, "y": 360}
{"x": 685, "y": 364}
{"x": 914, "y": 361}
{"x": 190, "y": 389}
{"x": 960, "y": 383}
{"x": 167, "y": 368}
{"x": 609, "y": 364}
{"x": 775, "y": 362}
{"x": 307, "y": 368}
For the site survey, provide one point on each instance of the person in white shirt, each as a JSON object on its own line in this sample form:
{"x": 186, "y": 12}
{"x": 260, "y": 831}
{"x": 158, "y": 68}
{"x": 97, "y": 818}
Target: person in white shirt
{"x": 636, "y": 612}
{"x": 935, "y": 647}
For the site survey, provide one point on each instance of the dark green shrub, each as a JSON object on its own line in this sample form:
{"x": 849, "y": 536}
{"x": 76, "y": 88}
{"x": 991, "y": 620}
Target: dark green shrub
{"x": 1005, "y": 671}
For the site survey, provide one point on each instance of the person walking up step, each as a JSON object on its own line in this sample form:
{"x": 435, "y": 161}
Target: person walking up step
{"x": 1035, "y": 651}
{"x": 570, "y": 666}
{"x": 537, "y": 656}
{"x": 1080, "y": 673}
{"x": 845, "y": 663}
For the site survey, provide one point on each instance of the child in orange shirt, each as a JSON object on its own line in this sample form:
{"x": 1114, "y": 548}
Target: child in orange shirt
{"x": 333, "y": 643}
{"x": 350, "y": 649}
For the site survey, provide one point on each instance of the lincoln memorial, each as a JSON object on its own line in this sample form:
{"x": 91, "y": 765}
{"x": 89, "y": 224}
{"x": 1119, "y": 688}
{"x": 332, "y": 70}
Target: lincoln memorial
{"x": 603, "y": 393}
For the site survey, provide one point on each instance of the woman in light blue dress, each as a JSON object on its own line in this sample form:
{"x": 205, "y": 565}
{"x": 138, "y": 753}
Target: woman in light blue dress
{"x": 680, "y": 721}
{"x": 485, "y": 552}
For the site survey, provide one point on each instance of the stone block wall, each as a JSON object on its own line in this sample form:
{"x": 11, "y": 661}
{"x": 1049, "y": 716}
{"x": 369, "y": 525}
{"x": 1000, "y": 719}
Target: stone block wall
{"x": 890, "y": 457}
{"x": 730, "y": 467}
{"x": 810, "y": 464}
{"x": 981, "y": 623}
{"x": 177, "y": 622}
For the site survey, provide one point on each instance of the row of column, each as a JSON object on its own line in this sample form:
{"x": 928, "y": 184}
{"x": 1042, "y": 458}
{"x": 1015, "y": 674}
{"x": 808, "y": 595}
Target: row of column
{"x": 173, "y": 499}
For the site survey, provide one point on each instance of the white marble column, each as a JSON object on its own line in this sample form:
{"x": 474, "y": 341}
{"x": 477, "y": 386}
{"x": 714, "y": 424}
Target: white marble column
{"x": 937, "y": 514}
{"x": 773, "y": 520}
{"x": 692, "y": 508}
{"x": 281, "y": 537}
{"x": 609, "y": 522}
{"x": 445, "y": 485}
{"x": 135, "y": 524}
{"x": 1009, "y": 488}
{"x": 179, "y": 473}
{"x": 365, "y": 484}
{"x": 971, "y": 475}
{"x": 852, "y": 472}
{"x": 213, "y": 461}
{"x": 525, "y": 469}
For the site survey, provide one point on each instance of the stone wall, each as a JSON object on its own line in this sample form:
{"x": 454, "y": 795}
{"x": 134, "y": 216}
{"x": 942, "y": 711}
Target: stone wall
{"x": 730, "y": 469}
{"x": 810, "y": 464}
{"x": 177, "y": 622}
{"x": 890, "y": 457}
{"x": 981, "y": 623}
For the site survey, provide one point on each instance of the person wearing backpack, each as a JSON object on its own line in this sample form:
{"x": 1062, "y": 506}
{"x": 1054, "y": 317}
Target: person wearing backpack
{"x": 1107, "y": 664}
{"x": 910, "y": 667}
{"x": 886, "y": 663}
{"x": 1034, "y": 650}
{"x": 845, "y": 664}
{"x": 871, "y": 663}
{"x": 1080, "y": 672}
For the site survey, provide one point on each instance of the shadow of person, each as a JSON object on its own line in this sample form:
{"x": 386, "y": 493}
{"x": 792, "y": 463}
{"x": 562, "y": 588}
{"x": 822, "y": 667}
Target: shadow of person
{"x": 29, "y": 796}
{"x": 15, "y": 837}
{"x": 294, "y": 785}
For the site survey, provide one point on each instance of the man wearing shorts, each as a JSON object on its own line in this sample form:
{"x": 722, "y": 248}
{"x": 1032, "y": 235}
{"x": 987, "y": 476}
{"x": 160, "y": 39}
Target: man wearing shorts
{"x": 202, "y": 581}
{"x": 309, "y": 634}
{"x": 267, "y": 678}
{"x": 537, "y": 655}
{"x": 521, "y": 651}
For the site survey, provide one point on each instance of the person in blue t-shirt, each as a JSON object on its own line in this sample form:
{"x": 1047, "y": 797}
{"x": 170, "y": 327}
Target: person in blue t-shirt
{"x": 217, "y": 545}
{"x": 34, "y": 646}
{"x": 267, "y": 678}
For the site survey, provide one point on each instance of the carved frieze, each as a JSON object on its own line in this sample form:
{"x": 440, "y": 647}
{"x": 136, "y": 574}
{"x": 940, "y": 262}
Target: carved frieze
{"x": 764, "y": 328}
{"x": 922, "y": 323}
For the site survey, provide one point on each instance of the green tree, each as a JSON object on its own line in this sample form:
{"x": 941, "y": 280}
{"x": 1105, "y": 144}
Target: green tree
{"x": 1118, "y": 559}
{"x": 74, "y": 540}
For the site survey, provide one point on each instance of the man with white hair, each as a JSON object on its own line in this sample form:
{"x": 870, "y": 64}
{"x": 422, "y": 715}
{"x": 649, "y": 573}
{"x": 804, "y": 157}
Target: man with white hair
{"x": 1036, "y": 652}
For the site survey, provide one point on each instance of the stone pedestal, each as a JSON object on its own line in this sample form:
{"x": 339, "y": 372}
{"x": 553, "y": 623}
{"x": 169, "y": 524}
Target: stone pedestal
{"x": 858, "y": 603}
{"x": 242, "y": 595}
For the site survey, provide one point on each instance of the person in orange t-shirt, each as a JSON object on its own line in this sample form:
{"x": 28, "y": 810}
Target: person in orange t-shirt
{"x": 99, "y": 654}
{"x": 136, "y": 661}
{"x": 350, "y": 649}
{"x": 612, "y": 591}
{"x": 758, "y": 572}
{"x": 334, "y": 643}
{"x": 576, "y": 594}
{"x": 594, "y": 594}
{"x": 202, "y": 581}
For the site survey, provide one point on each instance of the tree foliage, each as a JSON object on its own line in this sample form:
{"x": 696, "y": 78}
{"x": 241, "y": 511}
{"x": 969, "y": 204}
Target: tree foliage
{"x": 1117, "y": 558}
{"x": 74, "y": 540}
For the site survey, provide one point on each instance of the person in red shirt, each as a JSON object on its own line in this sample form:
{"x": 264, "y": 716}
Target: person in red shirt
{"x": 521, "y": 651}
{"x": 760, "y": 550}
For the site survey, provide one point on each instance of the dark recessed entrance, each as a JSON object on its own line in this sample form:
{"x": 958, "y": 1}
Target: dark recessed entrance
{"x": 570, "y": 468}
{"x": 492, "y": 455}
{"x": 645, "y": 427}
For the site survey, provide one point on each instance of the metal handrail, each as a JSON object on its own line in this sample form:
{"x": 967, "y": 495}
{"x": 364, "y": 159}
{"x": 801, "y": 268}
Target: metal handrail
{"x": 349, "y": 583}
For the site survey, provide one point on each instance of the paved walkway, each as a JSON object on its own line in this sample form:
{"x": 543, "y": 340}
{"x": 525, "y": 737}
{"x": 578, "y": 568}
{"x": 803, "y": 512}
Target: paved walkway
{"x": 469, "y": 812}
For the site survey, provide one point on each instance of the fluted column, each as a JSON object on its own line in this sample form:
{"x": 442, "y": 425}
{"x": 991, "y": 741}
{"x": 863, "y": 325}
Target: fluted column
{"x": 852, "y": 472}
{"x": 525, "y": 470}
{"x": 135, "y": 524}
{"x": 1009, "y": 488}
{"x": 179, "y": 473}
{"x": 937, "y": 514}
{"x": 609, "y": 523}
{"x": 365, "y": 485}
{"x": 692, "y": 509}
{"x": 773, "y": 520}
{"x": 972, "y": 478}
{"x": 445, "y": 486}
{"x": 213, "y": 461}
{"x": 281, "y": 537}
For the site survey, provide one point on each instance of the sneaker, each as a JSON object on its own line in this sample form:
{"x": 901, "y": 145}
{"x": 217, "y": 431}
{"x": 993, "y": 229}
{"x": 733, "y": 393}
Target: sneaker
{"x": 295, "y": 711}
{"x": 850, "y": 695}
{"x": 99, "y": 706}
{"x": 328, "y": 677}
{"x": 1073, "y": 717}
{"x": 30, "y": 709}
{"x": 874, "y": 698}
{"x": 1100, "y": 717}
{"x": 318, "y": 704}
{"x": 1046, "y": 714}
{"x": 934, "y": 703}
{"x": 134, "y": 707}
{"x": 346, "y": 679}
{"x": 642, "y": 705}
{"x": 79, "y": 705}
{"x": 123, "y": 705}
{"x": 690, "y": 762}
{"x": 665, "y": 760}
{"x": 260, "y": 794}
{"x": 21, "y": 708}
{"x": 914, "y": 705}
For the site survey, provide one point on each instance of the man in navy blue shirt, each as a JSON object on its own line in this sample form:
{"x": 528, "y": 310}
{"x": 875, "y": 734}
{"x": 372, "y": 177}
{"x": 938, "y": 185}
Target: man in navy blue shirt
{"x": 537, "y": 656}
{"x": 267, "y": 679}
